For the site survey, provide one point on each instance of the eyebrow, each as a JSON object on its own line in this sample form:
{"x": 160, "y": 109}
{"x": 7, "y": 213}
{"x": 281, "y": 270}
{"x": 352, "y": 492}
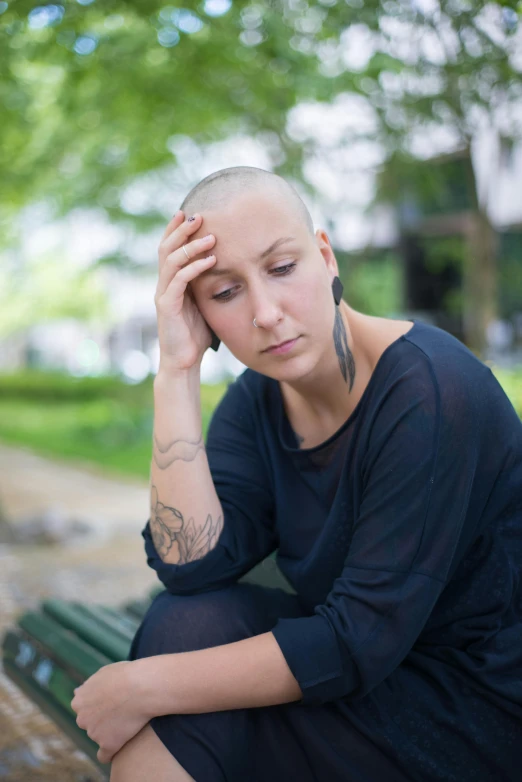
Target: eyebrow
{"x": 213, "y": 272}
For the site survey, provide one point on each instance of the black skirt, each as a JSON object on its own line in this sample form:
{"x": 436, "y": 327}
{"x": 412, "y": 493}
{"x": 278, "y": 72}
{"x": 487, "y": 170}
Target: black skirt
{"x": 405, "y": 729}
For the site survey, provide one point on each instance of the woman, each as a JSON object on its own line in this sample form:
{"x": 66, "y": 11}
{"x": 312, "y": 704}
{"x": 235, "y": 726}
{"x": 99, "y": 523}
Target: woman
{"x": 383, "y": 461}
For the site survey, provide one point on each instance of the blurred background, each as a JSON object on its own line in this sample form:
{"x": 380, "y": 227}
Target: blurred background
{"x": 398, "y": 121}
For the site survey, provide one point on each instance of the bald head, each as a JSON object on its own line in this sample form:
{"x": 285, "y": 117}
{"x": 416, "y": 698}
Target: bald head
{"x": 219, "y": 189}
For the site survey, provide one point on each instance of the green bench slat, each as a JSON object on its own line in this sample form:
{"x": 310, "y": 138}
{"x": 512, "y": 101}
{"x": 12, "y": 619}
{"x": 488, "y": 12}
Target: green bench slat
{"x": 106, "y": 622}
{"x": 120, "y": 620}
{"x": 35, "y": 664}
{"x": 54, "y": 650}
{"x": 103, "y": 638}
{"x": 64, "y": 646}
{"x": 49, "y": 706}
{"x": 137, "y": 608}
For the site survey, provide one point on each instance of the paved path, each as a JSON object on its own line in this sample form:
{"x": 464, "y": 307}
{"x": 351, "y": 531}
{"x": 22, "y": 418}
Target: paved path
{"x": 30, "y": 483}
{"x": 109, "y": 568}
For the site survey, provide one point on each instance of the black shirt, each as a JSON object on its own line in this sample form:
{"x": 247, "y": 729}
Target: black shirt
{"x": 401, "y": 533}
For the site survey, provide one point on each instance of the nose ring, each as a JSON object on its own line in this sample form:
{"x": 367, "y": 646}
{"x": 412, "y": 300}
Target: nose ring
{"x": 255, "y": 324}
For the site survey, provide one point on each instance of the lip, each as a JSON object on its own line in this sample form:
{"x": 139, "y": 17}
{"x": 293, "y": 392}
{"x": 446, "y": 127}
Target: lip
{"x": 283, "y": 347}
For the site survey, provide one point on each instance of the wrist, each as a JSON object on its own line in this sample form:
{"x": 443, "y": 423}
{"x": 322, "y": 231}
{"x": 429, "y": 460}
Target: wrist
{"x": 168, "y": 379}
{"x": 154, "y": 679}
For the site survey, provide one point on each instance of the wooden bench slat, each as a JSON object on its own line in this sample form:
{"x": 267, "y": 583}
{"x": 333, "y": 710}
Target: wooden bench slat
{"x": 118, "y": 616}
{"x": 57, "y": 713}
{"x": 137, "y": 608}
{"x": 63, "y": 644}
{"x": 53, "y": 650}
{"x": 35, "y": 664}
{"x": 106, "y": 622}
{"x": 102, "y": 638}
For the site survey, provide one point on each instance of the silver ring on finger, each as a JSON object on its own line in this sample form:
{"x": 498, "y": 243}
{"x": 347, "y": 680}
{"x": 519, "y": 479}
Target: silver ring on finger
{"x": 186, "y": 253}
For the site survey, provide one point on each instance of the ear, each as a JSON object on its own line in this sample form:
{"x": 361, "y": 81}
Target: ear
{"x": 325, "y": 248}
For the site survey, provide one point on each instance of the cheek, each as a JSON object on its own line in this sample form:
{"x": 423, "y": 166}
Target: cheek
{"x": 230, "y": 322}
{"x": 309, "y": 300}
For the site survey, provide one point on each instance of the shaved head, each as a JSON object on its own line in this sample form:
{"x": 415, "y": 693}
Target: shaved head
{"x": 219, "y": 189}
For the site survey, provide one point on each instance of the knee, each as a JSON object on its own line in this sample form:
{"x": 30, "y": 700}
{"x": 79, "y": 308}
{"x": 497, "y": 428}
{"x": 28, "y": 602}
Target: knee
{"x": 134, "y": 761}
{"x": 183, "y": 623}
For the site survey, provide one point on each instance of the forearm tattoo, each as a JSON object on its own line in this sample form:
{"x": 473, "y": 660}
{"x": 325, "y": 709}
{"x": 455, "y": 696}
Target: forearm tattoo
{"x": 344, "y": 354}
{"x": 170, "y": 529}
{"x": 165, "y": 455}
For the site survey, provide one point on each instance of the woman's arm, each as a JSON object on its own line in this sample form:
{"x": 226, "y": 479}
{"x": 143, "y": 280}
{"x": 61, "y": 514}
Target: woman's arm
{"x": 186, "y": 517}
{"x": 237, "y": 474}
{"x": 116, "y": 702}
{"x": 245, "y": 674}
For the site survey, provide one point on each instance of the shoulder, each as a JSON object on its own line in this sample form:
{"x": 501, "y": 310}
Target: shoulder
{"x": 431, "y": 371}
{"x": 434, "y": 360}
{"x": 425, "y": 377}
{"x": 441, "y": 348}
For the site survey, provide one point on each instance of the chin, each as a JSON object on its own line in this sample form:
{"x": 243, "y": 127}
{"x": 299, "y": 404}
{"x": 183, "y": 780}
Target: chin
{"x": 288, "y": 370}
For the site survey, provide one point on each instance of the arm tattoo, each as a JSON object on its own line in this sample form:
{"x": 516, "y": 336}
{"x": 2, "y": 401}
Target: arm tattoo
{"x": 344, "y": 354}
{"x": 164, "y": 456}
{"x": 169, "y": 528}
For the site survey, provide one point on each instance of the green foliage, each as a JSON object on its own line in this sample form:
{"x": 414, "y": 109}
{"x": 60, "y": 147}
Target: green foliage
{"x": 511, "y": 382}
{"x": 440, "y": 186}
{"x": 99, "y": 420}
{"x": 96, "y": 95}
{"x": 373, "y": 285}
{"x": 39, "y": 386}
{"x": 49, "y": 290}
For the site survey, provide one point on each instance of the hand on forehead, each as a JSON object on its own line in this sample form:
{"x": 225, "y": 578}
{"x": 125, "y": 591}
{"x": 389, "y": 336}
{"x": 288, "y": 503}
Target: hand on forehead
{"x": 246, "y": 227}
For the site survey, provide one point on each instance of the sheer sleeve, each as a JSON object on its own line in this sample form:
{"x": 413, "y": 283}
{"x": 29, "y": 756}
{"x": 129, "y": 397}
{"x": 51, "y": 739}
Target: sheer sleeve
{"x": 417, "y": 472}
{"x": 243, "y": 487}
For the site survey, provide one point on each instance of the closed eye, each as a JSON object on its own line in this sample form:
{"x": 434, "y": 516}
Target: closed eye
{"x": 278, "y": 271}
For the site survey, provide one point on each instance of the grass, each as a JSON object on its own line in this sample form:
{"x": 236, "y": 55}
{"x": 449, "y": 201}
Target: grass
{"x": 106, "y": 423}
{"x": 511, "y": 382}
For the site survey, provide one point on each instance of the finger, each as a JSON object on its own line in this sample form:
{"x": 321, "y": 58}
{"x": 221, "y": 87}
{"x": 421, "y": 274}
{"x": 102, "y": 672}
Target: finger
{"x": 170, "y": 231}
{"x": 173, "y": 223}
{"x": 180, "y": 280}
{"x": 104, "y": 756}
{"x": 178, "y": 260}
{"x": 178, "y": 237}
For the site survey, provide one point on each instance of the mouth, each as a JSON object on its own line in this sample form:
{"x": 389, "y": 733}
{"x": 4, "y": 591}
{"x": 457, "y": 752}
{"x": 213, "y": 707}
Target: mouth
{"x": 282, "y": 347}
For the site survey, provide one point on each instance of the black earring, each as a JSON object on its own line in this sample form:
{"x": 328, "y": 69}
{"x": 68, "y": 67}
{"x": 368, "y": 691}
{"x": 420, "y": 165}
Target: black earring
{"x": 337, "y": 290}
{"x": 216, "y": 342}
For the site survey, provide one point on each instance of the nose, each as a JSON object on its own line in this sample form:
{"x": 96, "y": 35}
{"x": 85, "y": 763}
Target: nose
{"x": 266, "y": 311}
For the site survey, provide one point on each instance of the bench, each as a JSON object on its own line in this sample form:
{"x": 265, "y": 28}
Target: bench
{"x": 56, "y": 648}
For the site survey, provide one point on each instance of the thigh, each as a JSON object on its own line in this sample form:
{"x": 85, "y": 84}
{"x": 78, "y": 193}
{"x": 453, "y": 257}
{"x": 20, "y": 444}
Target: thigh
{"x": 276, "y": 743}
{"x": 183, "y": 623}
{"x": 216, "y": 746}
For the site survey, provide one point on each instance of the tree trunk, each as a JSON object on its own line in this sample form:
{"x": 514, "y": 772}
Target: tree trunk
{"x": 479, "y": 275}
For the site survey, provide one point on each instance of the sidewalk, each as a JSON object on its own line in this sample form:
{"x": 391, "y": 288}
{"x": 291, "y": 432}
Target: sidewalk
{"x": 110, "y": 568}
{"x": 30, "y": 483}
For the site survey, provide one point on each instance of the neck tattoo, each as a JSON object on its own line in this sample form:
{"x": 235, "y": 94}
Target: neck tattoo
{"x": 344, "y": 354}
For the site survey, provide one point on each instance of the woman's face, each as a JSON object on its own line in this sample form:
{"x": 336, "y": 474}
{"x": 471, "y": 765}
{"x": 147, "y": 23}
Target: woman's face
{"x": 287, "y": 290}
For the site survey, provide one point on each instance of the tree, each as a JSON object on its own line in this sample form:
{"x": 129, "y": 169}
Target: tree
{"x": 96, "y": 95}
{"x": 460, "y": 73}
{"x": 46, "y": 290}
